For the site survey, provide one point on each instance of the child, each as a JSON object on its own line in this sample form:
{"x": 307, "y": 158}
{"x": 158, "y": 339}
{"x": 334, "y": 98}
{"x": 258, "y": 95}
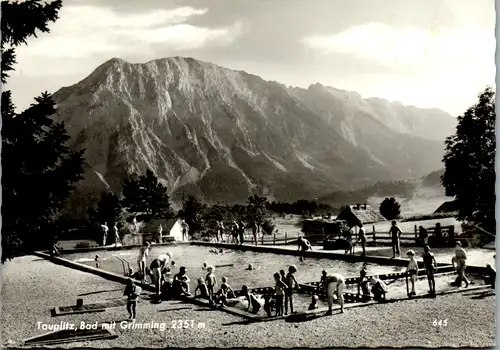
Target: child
{"x": 141, "y": 260}
{"x": 97, "y": 261}
{"x": 430, "y": 267}
{"x": 211, "y": 282}
{"x": 363, "y": 286}
{"x": 181, "y": 282}
{"x": 379, "y": 289}
{"x": 253, "y": 303}
{"x": 290, "y": 281}
{"x": 268, "y": 305}
{"x": 412, "y": 270}
{"x": 132, "y": 292}
{"x": 314, "y": 303}
{"x": 280, "y": 291}
{"x": 282, "y": 274}
{"x": 202, "y": 287}
{"x": 225, "y": 292}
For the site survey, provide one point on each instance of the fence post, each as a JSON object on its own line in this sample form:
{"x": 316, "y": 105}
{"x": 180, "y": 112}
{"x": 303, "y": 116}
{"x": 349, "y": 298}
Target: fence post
{"x": 274, "y": 238}
{"x": 373, "y": 226}
{"x": 416, "y": 239}
{"x": 262, "y": 238}
{"x": 285, "y": 236}
{"x": 323, "y": 231}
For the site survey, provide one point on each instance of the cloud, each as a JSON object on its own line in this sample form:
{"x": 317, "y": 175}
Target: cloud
{"x": 408, "y": 45}
{"x": 87, "y": 31}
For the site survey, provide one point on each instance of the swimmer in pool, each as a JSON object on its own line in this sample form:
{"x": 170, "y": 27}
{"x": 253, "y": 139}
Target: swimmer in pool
{"x": 204, "y": 266}
{"x": 250, "y": 267}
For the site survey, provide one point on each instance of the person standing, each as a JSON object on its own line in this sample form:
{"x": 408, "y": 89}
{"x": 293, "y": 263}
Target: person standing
{"x": 362, "y": 237}
{"x": 141, "y": 260}
{"x": 242, "y": 231}
{"x": 255, "y": 230}
{"x": 235, "y": 230}
{"x": 105, "y": 230}
{"x": 160, "y": 233}
{"x": 460, "y": 259}
{"x": 132, "y": 291}
{"x": 185, "y": 230}
{"x": 395, "y": 234}
{"x": 220, "y": 231}
{"x": 333, "y": 284}
{"x": 430, "y": 266}
{"x": 117, "y": 236}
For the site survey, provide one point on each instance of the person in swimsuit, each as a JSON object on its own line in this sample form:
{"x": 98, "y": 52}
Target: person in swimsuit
{"x": 362, "y": 237}
{"x": 363, "y": 286}
{"x": 430, "y": 266}
{"x": 283, "y": 275}
{"x": 160, "y": 233}
{"x": 304, "y": 244}
{"x": 460, "y": 259}
{"x": 211, "y": 282}
{"x": 314, "y": 303}
{"x": 181, "y": 282}
{"x": 105, "y": 230}
{"x": 132, "y": 291}
{"x": 290, "y": 281}
{"x": 333, "y": 284}
{"x": 117, "y": 235}
{"x": 255, "y": 230}
{"x": 253, "y": 303}
{"x": 395, "y": 234}
{"x": 242, "y": 227}
{"x": 379, "y": 289}
{"x": 159, "y": 267}
{"x": 185, "y": 230}
{"x": 280, "y": 287}
{"x": 202, "y": 287}
{"x": 268, "y": 304}
{"x": 225, "y": 292}
{"x": 235, "y": 229}
{"x": 412, "y": 271}
{"x": 142, "y": 259}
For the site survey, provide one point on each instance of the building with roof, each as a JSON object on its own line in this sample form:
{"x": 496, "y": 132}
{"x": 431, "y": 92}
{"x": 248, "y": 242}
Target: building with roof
{"x": 360, "y": 213}
{"x": 447, "y": 207}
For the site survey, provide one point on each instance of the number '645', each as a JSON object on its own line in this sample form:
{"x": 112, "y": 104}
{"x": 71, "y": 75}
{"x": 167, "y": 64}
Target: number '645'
{"x": 440, "y": 323}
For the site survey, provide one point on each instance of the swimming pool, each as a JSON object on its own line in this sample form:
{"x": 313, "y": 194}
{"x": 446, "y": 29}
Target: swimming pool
{"x": 265, "y": 265}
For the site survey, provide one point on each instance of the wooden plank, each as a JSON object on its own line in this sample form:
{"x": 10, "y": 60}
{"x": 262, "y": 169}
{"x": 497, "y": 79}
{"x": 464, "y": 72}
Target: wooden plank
{"x": 67, "y": 336}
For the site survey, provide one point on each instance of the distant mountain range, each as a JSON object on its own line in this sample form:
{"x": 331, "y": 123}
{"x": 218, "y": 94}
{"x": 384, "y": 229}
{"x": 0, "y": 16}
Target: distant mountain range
{"x": 223, "y": 134}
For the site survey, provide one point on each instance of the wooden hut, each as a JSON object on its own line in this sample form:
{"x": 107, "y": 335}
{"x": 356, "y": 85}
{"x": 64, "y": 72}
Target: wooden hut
{"x": 360, "y": 213}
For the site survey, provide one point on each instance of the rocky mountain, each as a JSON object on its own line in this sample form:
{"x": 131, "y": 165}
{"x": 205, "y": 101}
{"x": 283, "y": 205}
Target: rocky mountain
{"x": 222, "y": 134}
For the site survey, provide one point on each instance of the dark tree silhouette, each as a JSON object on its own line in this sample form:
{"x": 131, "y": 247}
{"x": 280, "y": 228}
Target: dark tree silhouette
{"x": 147, "y": 195}
{"x": 39, "y": 171}
{"x": 470, "y": 163}
{"x": 390, "y": 208}
{"x": 107, "y": 210}
{"x": 193, "y": 212}
{"x": 257, "y": 211}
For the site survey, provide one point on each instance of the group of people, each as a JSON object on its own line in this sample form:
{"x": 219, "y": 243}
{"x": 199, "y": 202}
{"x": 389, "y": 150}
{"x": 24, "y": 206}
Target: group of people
{"x": 236, "y": 233}
{"x": 105, "y": 230}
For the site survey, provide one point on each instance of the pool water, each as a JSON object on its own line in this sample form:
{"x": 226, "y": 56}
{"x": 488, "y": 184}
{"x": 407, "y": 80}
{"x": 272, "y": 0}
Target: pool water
{"x": 265, "y": 265}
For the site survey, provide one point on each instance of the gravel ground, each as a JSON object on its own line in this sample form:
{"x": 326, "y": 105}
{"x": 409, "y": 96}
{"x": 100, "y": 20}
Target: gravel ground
{"x": 31, "y": 287}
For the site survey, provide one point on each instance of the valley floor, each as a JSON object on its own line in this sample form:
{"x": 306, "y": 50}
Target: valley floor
{"x": 32, "y": 286}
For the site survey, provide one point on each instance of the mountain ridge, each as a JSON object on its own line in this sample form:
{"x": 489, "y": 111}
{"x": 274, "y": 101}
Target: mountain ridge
{"x": 223, "y": 134}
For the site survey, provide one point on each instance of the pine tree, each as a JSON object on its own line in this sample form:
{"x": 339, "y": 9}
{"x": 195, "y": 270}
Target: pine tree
{"x": 39, "y": 171}
{"x": 147, "y": 195}
{"x": 390, "y": 208}
{"x": 470, "y": 163}
{"x": 193, "y": 212}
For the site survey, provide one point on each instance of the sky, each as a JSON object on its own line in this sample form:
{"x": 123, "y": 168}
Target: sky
{"x": 426, "y": 53}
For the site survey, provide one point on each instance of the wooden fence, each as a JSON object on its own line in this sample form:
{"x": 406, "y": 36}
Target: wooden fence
{"x": 372, "y": 237}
